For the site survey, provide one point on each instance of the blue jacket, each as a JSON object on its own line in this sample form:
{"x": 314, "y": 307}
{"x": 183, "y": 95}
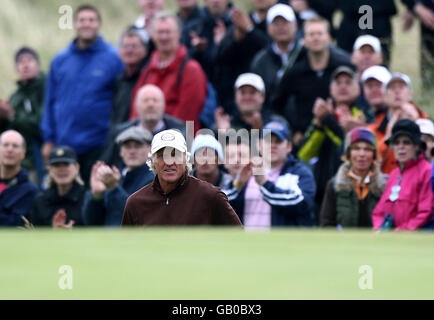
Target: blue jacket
{"x": 109, "y": 210}
{"x": 16, "y": 199}
{"x": 79, "y": 95}
{"x": 291, "y": 197}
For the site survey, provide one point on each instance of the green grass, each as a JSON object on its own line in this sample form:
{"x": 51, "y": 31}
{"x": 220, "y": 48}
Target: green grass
{"x": 215, "y": 264}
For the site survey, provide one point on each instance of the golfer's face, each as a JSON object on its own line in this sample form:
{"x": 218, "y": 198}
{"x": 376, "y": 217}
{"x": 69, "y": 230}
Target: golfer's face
{"x": 169, "y": 165}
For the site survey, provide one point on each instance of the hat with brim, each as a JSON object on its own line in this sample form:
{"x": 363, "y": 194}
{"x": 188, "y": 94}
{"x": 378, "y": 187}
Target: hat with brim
{"x": 169, "y": 139}
{"x": 408, "y": 128}
{"x": 63, "y": 154}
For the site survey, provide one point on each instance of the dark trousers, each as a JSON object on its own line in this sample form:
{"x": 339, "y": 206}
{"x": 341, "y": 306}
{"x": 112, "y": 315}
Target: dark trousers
{"x": 86, "y": 161}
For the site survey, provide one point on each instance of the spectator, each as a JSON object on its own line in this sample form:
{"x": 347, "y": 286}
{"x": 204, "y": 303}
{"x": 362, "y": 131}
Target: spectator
{"x": 181, "y": 79}
{"x": 133, "y": 52}
{"x": 356, "y": 188}
{"x": 24, "y": 109}
{"x": 60, "y": 205}
{"x": 207, "y": 154}
{"x": 399, "y": 96}
{"x": 283, "y": 195}
{"x": 149, "y": 9}
{"x": 105, "y": 203}
{"x": 150, "y": 106}
{"x": 271, "y": 62}
{"x": 322, "y": 145}
{"x": 366, "y": 53}
{"x": 426, "y": 127}
{"x": 237, "y": 154}
{"x": 190, "y": 16}
{"x": 303, "y": 11}
{"x": 407, "y": 199}
{"x": 249, "y": 99}
{"x": 175, "y": 197}
{"x": 308, "y": 78}
{"x": 16, "y": 191}
{"x": 374, "y": 80}
{"x": 81, "y": 79}
{"x": 243, "y": 40}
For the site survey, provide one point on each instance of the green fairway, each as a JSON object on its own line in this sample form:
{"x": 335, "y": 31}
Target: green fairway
{"x": 215, "y": 264}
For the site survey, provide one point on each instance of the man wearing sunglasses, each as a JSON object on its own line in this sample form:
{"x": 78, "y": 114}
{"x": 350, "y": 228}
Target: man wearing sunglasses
{"x": 175, "y": 197}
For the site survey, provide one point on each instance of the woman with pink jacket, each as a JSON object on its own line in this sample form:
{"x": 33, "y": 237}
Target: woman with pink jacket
{"x": 407, "y": 200}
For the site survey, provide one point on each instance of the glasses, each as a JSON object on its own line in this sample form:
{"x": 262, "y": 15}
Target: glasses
{"x": 405, "y": 142}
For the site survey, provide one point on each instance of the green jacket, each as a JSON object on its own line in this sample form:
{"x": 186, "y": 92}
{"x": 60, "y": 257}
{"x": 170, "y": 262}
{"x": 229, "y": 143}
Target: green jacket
{"x": 28, "y": 101}
{"x": 341, "y": 205}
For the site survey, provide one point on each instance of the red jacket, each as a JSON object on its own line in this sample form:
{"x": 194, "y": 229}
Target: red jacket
{"x": 183, "y": 101}
{"x": 412, "y": 209}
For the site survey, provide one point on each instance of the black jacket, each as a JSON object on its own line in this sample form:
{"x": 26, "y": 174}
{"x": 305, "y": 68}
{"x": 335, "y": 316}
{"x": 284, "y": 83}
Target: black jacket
{"x": 300, "y": 86}
{"x": 47, "y": 203}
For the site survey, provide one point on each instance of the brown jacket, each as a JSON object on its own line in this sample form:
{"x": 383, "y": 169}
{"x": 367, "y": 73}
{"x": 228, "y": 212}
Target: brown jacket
{"x": 193, "y": 202}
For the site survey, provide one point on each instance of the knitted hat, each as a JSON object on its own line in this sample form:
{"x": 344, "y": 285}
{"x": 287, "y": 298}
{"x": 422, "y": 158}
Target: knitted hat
{"x": 360, "y": 134}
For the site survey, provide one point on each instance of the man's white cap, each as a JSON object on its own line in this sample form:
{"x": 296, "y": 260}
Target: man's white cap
{"x": 169, "y": 138}
{"x": 369, "y": 40}
{"x": 379, "y": 73}
{"x": 280, "y": 10}
{"x": 400, "y": 76}
{"x": 426, "y": 126}
{"x": 207, "y": 141}
{"x": 250, "y": 79}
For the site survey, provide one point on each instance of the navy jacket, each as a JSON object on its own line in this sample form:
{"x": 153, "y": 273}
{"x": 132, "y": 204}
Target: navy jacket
{"x": 109, "y": 210}
{"x": 79, "y": 95}
{"x": 291, "y": 197}
{"x": 16, "y": 199}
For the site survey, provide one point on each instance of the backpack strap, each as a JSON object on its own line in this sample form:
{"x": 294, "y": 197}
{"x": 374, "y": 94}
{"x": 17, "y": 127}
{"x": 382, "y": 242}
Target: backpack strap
{"x": 181, "y": 70}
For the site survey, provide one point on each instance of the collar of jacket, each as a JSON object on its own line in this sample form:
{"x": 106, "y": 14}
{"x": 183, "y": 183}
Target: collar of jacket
{"x": 182, "y": 184}
{"x": 22, "y": 176}
{"x": 412, "y": 163}
{"x": 345, "y": 183}
{"x": 135, "y": 76}
{"x": 96, "y": 46}
{"x": 32, "y": 82}
{"x": 73, "y": 195}
{"x": 154, "y": 63}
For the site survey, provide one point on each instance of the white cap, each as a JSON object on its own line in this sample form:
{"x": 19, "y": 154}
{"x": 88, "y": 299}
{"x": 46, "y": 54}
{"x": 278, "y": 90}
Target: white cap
{"x": 426, "y": 126}
{"x": 169, "y": 138}
{"x": 206, "y": 141}
{"x": 400, "y": 76}
{"x": 379, "y": 73}
{"x": 369, "y": 40}
{"x": 280, "y": 10}
{"x": 250, "y": 79}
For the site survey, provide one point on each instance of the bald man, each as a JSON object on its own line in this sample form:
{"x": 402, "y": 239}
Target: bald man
{"x": 150, "y": 106}
{"x": 16, "y": 190}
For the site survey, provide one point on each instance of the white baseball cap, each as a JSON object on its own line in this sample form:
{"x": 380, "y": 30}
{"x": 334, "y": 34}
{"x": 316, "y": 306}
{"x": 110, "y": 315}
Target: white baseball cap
{"x": 426, "y": 126}
{"x": 207, "y": 141}
{"x": 369, "y": 40}
{"x": 379, "y": 73}
{"x": 280, "y": 10}
{"x": 169, "y": 138}
{"x": 250, "y": 79}
{"x": 400, "y": 76}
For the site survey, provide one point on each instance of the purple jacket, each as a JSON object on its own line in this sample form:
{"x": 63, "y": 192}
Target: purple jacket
{"x": 412, "y": 209}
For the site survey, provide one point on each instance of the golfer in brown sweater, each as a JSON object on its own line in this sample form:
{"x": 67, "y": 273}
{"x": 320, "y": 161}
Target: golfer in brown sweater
{"x": 175, "y": 197}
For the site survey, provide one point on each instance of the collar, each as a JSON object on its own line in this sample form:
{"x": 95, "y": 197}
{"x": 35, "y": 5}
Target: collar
{"x": 182, "y": 184}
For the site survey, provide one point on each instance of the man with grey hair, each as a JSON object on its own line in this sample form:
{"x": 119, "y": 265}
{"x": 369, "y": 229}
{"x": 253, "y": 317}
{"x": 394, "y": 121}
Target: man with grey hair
{"x": 16, "y": 190}
{"x": 181, "y": 79}
{"x": 175, "y": 197}
{"x": 110, "y": 188}
{"x": 150, "y": 105}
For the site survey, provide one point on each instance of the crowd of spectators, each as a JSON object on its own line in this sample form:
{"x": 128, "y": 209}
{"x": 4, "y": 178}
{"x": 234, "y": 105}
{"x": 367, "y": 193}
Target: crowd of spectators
{"x": 340, "y": 143}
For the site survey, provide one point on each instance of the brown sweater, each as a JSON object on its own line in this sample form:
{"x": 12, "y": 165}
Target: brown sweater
{"x": 192, "y": 202}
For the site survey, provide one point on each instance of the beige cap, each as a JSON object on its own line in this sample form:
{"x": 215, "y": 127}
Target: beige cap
{"x": 250, "y": 79}
{"x": 169, "y": 138}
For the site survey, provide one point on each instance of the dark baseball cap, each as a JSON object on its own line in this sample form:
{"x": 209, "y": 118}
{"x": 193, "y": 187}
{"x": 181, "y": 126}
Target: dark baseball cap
{"x": 343, "y": 69}
{"x": 26, "y": 50}
{"x": 278, "y": 128}
{"x": 63, "y": 154}
{"x": 405, "y": 127}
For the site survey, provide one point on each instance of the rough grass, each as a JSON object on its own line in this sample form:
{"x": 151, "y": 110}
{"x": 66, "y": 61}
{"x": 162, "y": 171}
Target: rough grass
{"x": 200, "y": 263}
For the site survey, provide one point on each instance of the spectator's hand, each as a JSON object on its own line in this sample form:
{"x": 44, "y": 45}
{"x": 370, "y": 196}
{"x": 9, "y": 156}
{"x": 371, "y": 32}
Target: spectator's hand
{"x": 407, "y": 20}
{"x": 109, "y": 176}
{"x": 222, "y": 120}
{"x": 46, "y": 149}
{"x": 297, "y": 138}
{"x": 425, "y": 15}
{"x": 219, "y": 32}
{"x": 6, "y": 110}
{"x": 59, "y": 220}
{"x": 409, "y": 111}
{"x": 258, "y": 166}
{"x": 199, "y": 44}
{"x": 242, "y": 23}
{"x": 393, "y": 119}
{"x": 322, "y": 109}
{"x": 245, "y": 174}
{"x": 299, "y": 5}
{"x": 97, "y": 187}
